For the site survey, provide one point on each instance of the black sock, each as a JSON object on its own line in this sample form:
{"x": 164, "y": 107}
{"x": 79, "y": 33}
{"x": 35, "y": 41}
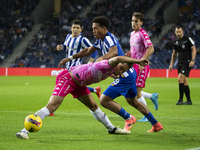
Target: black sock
{"x": 181, "y": 91}
{"x": 187, "y": 93}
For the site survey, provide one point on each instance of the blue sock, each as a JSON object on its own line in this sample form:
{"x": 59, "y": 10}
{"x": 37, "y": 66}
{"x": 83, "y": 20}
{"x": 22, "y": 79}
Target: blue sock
{"x": 151, "y": 118}
{"x": 91, "y": 89}
{"x": 124, "y": 114}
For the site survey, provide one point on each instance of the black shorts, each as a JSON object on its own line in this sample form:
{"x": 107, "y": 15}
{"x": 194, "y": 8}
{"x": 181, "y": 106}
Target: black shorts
{"x": 184, "y": 69}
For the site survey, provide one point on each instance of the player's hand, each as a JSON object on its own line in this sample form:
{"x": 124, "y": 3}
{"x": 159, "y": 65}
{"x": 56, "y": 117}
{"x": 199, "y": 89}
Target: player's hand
{"x": 144, "y": 62}
{"x": 170, "y": 68}
{"x": 59, "y": 47}
{"x": 99, "y": 59}
{"x": 191, "y": 64}
{"x": 63, "y": 61}
{"x": 128, "y": 53}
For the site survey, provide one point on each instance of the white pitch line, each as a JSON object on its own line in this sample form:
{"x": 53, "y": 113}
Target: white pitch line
{"x": 197, "y": 148}
{"x": 30, "y": 112}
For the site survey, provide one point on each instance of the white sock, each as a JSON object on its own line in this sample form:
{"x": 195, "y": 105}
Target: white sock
{"x": 101, "y": 116}
{"x": 42, "y": 113}
{"x": 146, "y": 95}
{"x": 142, "y": 100}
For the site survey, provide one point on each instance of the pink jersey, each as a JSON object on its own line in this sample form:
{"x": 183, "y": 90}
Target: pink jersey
{"x": 139, "y": 43}
{"x": 92, "y": 73}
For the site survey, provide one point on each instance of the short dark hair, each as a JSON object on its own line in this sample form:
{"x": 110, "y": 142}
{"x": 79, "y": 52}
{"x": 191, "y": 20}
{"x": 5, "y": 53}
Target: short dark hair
{"x": 130, "y": 65}
{"x": 179, "y": 27}
{"x": 138, "y": 15}
{"x": 102, "y": 21}
{"x": 78, "y": 22}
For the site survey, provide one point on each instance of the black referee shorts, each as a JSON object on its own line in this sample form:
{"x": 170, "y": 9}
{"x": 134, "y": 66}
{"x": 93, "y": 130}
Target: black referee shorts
{"x": 184, "y": 69}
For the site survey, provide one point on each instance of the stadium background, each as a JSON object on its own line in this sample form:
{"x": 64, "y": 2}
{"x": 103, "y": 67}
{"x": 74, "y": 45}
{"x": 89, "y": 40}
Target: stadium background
{"x": 29, "y": 33}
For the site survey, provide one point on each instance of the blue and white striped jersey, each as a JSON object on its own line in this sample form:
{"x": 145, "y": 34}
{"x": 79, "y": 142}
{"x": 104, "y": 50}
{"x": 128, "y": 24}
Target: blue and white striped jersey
{"x": 109, "y": 41}
{"x": 73, "y": 46}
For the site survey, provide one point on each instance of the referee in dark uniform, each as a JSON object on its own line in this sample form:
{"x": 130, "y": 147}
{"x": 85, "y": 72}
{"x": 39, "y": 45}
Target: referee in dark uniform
{"x": 185, "y": 48}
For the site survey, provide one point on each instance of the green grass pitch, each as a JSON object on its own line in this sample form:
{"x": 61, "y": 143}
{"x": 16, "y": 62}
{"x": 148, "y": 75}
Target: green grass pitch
{"x": 74, "y": 128}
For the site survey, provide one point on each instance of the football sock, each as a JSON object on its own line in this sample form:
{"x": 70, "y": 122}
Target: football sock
{"x": 42, "y": 113}
{"x": 146, "y": 95}
{"x": 142, "y": 100}
{"x": 181, "y": 90}
{"x": 101, "y": 117}
{"x": 24, "y": 130}
{"x": 92, "y": 89}
{"x": 151, "y": 118}
{"x": 124, "y": 114}
{"x": 187, "y": 93}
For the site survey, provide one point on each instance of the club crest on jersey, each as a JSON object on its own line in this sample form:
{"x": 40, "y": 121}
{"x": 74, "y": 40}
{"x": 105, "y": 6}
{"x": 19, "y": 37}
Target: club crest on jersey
{"x": 183, "y": 46}
{"x": 76, "y": 43}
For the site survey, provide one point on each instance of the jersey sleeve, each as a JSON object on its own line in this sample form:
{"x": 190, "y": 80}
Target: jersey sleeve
{"x": 110, "y": 41}
{"x": 86, "y": 43}
{"x": 190, "y": 42}
{"x": 93, "y": 55}
{"x": 97, "y": 44}
{"x": 174, "y": 46}
{"x": 146, "y": 40}
{"x": 65, "y": 43}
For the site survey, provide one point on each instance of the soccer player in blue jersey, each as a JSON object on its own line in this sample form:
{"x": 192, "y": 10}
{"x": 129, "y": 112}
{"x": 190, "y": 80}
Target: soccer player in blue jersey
{"x": 124, "y": 85}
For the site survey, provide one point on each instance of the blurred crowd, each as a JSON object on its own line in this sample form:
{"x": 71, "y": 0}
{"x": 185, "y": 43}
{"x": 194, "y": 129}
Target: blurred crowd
{"x": 42, "y": 48}
{"x": 15, "y": 23}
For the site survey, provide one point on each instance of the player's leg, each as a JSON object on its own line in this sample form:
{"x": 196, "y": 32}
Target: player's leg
{"x": 52, "y": 105}
{"x": 142, "y": 100}
{"x": 106, "y": 101}
{"x": 187, "y": 92}
{"x": 187, "y": 89}
{"x": 96, "y": 90}
{"x": 181, "y": 78}
{"x": 153, "y": 97}
{"x": 100, "y": 116}
{"x": 156, "y": 126}
{"x": 140, "y": 82}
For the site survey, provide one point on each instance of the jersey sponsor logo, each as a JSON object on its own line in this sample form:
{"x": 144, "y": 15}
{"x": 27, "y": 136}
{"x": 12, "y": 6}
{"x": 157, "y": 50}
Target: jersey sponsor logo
{"x": 125, "y": 74}
{"x": 99, "y": 75}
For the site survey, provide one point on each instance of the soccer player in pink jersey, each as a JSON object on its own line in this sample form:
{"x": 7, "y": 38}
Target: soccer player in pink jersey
{"x": 141, "y": 47}
{"x": 74, "y": 81}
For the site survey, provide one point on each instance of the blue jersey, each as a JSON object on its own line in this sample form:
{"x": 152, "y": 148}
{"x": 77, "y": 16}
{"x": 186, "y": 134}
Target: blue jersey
{"x": 109, "y": 41}
{"x": 73, "y": 46}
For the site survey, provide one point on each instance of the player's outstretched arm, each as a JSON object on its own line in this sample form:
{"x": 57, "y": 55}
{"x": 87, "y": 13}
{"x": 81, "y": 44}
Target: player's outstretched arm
{"x": 85, "y": 52}
{"x": 125, "y": 59}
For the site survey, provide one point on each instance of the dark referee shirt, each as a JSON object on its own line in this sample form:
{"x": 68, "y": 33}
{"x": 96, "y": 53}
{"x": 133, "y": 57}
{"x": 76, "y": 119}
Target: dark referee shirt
{"x": 183, "y": 47}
